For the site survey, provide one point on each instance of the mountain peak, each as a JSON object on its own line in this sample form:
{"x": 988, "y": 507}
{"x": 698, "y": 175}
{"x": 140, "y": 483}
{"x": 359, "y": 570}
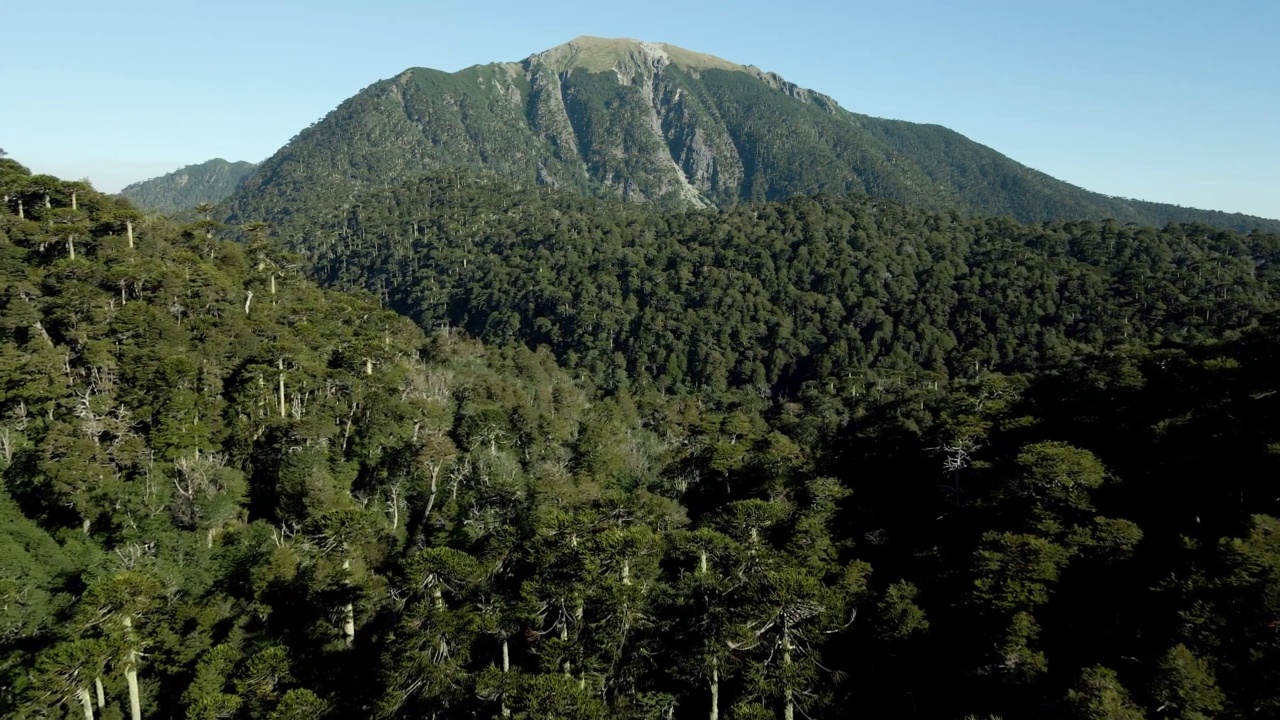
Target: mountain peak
{"x": 597, "y": 54}
{"x": 650, "y": 122}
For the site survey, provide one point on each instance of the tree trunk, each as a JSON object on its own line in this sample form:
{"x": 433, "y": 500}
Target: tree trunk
{"x": 715, "y": 690}
{"x": 247, "y": 300}
{"x": 71, "y": 246}
{"x": 280, "y": 367}
{"x": 431, "y": 499}
{"x": 128, "y": 231}
{"x": 506, "y": 667}
{"x": 86, "y": 702}
{"x": 131, "y": 674}
{"x": 395, "y": 508}
{"x": 21, "y": 215}
{"x": 273, "y": 283}
{"x": 135, "y": 702}
{"x": 346, "y": 431}
{"x": 73, "y": 202}
{"x": 348, "y": 613}
{"x": 102, "y": 694}
{"x": 564, "y": 638}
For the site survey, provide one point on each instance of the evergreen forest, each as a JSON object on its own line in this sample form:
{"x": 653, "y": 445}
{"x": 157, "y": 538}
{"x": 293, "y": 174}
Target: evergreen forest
{"x": 185, "y": 188}
{"x": 458, "y": 448}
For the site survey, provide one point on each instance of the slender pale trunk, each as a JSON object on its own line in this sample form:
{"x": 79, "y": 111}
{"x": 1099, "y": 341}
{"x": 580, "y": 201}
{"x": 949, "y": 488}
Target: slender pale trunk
{"x": 348, "y": 612}
{"x": 346, "y": 432}
{"x": 86, "y": 702}
{"x": 431, "y": 499}
{"x": 395, "y": 508}
{"x": 131, "y": 674}
{"x": 626, "y": 572}
{"x": 102, "y": 694}
{"x": 73, "y": 202}
{"x": 71, "y": 246}
{"x": 715, "y": 690}
{"x": 273, "y": 283}
{"x": 21, "y": 214}
{"x": 506, "y": 668}
{"x": 128, "y": 231}
{"x": 280, "y": 367}
{"x": 247, "y": 301}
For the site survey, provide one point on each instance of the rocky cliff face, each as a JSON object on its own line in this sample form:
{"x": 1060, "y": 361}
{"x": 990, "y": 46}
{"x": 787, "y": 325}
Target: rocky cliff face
{"x": 642, "y": 139}
{"x": 649, "y": 123}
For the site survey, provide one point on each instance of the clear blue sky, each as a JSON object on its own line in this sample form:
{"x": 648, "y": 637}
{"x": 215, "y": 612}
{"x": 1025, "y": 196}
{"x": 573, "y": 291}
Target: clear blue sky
{"x": 1169, "y": 100}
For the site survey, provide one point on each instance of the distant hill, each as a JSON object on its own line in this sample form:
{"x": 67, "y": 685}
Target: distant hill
{"x": 212, "y": 182}
{"x": 653, "y": 123}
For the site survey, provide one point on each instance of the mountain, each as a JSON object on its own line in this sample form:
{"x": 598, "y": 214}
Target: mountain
{"x": 654, "y": 123}
{"x": 209, "y": 182}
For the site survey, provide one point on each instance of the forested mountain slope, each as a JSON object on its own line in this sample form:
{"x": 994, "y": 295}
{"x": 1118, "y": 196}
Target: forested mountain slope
{"x": 227, "y": 493}
{"x": 185, "y": 188}
{"x": 770, "y": 296}
{"x": 656, "y": 124}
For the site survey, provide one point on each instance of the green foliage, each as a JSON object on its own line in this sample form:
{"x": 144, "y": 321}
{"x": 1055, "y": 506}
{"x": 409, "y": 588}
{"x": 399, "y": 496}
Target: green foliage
{"x": 186, "y": 188}
{"x": 1100, "y": 696}
{"x": 814, "y": 458}
{"x": 300, "y": 704}
{"x": 847, "y": 292}
{"x": 1186, "y": 687}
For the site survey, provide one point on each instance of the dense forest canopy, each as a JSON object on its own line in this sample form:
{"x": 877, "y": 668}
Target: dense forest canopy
{"x": 186, "y": 188}
{"x": 868, "y": 461}
{"x": 771, "y": 296}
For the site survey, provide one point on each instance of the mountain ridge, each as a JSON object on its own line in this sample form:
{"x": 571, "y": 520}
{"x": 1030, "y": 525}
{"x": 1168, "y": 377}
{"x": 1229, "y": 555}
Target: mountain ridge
{"x": 183, "y": 189}
{"x": 658, "y": 124}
